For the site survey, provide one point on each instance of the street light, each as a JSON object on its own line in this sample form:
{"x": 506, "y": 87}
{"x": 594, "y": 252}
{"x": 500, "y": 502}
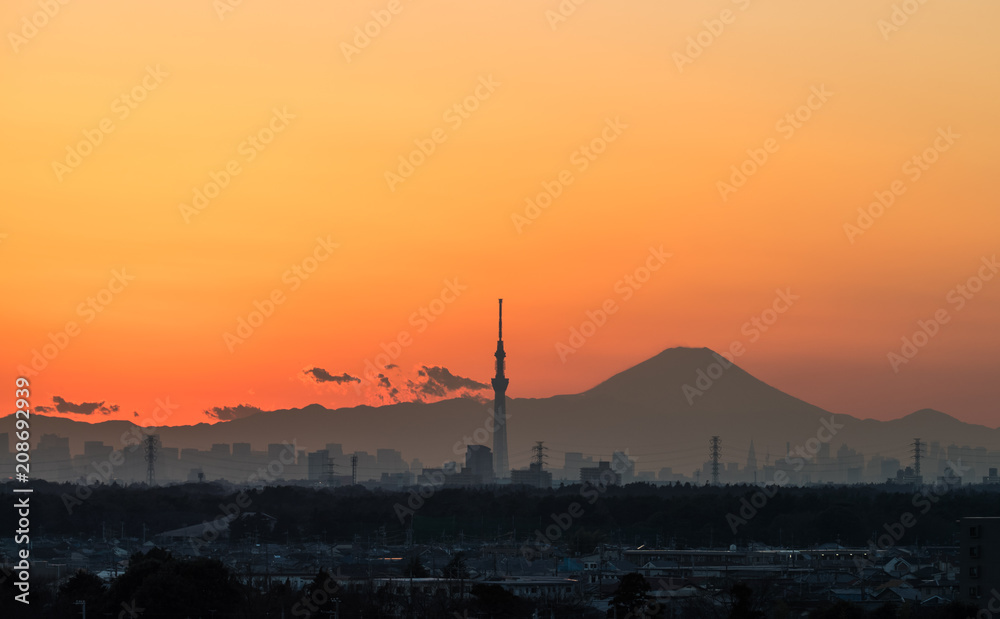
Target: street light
{"x": 82, "y": 603}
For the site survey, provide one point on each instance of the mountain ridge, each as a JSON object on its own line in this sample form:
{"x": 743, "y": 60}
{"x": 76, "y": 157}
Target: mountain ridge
{"x": 648, "y": 408}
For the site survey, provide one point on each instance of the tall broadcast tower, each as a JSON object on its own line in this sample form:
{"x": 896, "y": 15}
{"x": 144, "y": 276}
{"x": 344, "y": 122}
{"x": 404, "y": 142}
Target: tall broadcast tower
{"x": 500, "y": 467}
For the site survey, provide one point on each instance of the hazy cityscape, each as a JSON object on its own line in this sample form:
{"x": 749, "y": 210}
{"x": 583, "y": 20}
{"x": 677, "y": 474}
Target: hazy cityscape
{"x": 331, "y": 466}
{"x": 560, "y": 309}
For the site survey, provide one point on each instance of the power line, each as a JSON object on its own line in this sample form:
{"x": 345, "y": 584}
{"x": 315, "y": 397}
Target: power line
{"x": 540, "y": 456}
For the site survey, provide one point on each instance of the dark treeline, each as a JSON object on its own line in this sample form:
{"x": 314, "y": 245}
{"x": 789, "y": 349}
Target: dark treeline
{"x": 683, "y": 516}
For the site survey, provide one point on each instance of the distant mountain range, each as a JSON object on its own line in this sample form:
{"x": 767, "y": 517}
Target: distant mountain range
{"x": 663, "y": 411}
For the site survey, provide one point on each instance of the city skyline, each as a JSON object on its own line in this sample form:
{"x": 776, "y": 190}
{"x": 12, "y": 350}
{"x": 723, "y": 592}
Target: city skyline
{"x": 254, "y": 255}
{"x": 709, "y": 397}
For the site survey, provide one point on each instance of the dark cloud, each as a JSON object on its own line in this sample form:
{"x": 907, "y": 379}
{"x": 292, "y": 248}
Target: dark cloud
{"x": 135, "y": 413}
{"x": 322, "y": 376}
{"x": 438, "y": 381}
{"x": 44, "y": 409}
{"x": 84, "y": 408}
{"x": 107, "y": 410}
{"x": 429, "y": 384}
{"x": 228, "y": 413}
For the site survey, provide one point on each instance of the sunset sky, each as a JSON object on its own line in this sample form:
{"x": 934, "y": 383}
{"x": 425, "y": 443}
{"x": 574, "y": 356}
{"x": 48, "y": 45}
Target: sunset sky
{"x": 562, "y": 155}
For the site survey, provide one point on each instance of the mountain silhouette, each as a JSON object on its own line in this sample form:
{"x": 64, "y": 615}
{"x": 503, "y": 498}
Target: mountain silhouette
{"x": 649, "y": 410}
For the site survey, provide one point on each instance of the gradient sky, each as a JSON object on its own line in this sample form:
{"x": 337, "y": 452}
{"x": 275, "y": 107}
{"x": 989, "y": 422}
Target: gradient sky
{"x": 554, "y": 87}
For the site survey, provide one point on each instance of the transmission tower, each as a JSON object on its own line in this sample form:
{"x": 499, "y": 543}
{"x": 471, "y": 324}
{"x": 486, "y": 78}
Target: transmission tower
{"x": 329, "y": 469}
{"x": 917, "y": 445}
{"x": 152, "y": 442}
{"x": 715, "y": 452}
{"x": 540, "y": 455}
{"x": 354, "y": 469}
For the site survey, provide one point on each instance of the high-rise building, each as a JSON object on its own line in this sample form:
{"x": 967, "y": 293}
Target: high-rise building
{"x": 416, "y": 466}
{"x": 979, "y": 558}
{"x": 575, "y": 461}
{"x": 96, "y": 450}
{"x": 317, "y": 461}
{"x": 624, "y": 465}
{"x": 276, "y": 450}
{"x": 367, "y": 466}
{"x": 479, "y": 462}
{"x": 501, "y": 469}
{"x": 601, "y": 475}
{"x": 535, "y": 476}
{"x": 390, "y": 461}
{"x": 51, "y": 458}
{"x": 241, "y": 450}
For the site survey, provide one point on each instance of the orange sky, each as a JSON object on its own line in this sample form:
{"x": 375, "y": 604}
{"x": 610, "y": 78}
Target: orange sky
{"x": 531, "y": 91}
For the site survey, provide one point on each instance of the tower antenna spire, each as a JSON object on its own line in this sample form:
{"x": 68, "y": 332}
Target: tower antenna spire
{"x": 501, "y": 467}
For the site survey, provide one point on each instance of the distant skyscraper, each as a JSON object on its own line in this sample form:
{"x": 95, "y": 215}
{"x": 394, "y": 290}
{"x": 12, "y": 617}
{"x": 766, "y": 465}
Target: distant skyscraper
{"x": 479, "y": 463}
{"x": 500, "y": 467}
{"x": 317, "y": 465}
{"x": 751, "y": 458}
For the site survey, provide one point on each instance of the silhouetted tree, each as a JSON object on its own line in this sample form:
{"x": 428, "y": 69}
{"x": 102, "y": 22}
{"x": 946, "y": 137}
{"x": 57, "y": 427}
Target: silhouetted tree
{"x": 631, "y": 593}
{"x": 743, "y": 606}
{"x": 83, "y": 586}
{"x": 415, "y": 569}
